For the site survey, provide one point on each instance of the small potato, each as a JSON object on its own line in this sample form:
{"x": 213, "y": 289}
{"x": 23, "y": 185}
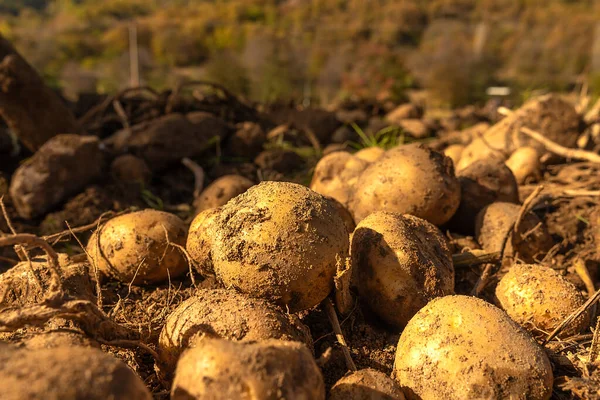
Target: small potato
{"x": 67, "y": 373}
{"x": 129, "y": 169}
{"x": 366, "y": 384}
{"x": 226, "y": 314}
{"x": 282, "y": 242}
{"x": 272, "y": 369}
{"x": 461, "y": 347}
{"x": 538, "y": 297}
{"x": 482, "y": 183}
{"x": 137, "y": 248}
{"x": 336, "y": 174}
{"x": 524, "y": 164}
{"x": 370, "y": 154}
{"x": 221, "y": 191}
{"x": 18, "y": 287}
{"x": 454, "y": 151}
{"x": 199, "y": 240}
{"x": 401, "y": 262}
{"x": 531, "y": 242}
{"x": 410, "y": 179}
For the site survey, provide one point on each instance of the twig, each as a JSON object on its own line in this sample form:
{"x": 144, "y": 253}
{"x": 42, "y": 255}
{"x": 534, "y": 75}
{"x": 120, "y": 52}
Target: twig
{"x": 595, "y": 343}
{"x": 474, "y": 257}
{"x": 575, "y": 193}
{"x": 23, "y": 256}
{"x": 335, "y": 323}
{"x": 565, "y": 152}
{"x": 198, "y": 175}
{"x": 56, "y": 237}
{"x": 130, "y": 344}
{"x": 573, "y": 316}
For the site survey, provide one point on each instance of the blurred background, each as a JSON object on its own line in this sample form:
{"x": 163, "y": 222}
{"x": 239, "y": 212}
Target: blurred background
{"x": 445, "y": 53}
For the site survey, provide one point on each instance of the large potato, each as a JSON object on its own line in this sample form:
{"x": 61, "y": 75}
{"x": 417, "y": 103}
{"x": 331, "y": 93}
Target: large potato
{"x": 336, "y": 174}
{"x": 531, "y": 242}
{"x": 282, "y": 242}
{"x": 461, "y": 347}
{"x": 539, "y": 298}
{"x": 226, "y": 314}
{"x": 66, "y": 373}
{"x": 409, "y": 179}
{"x": 366, "y": 384}
{"x": 401, "y": 262}
{"x": 199, "y": 240}
{"x": 271, "y": 369}
{"x": 221, "y": 191}
{"x": 137, "y": 247}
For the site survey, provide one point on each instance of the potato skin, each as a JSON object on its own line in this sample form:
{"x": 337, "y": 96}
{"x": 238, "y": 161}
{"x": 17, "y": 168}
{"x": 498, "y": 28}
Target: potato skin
{"x": 401, "y": 262}
{"x": 370, "y": 154}
{"x": 199, "y": 240}
{"x": 280, "y": 241}
{"x": 524, "y": 163}
{"x": 221, "y": 190}
{"x": 226, "y": 314}
{"x": 461, "y": 347}
{"x": 336, "y": 175}
{"x": 494, "y": 221}
{"x": 410, "y": 179}
{"x": 133, "y": 247}
{"x": 271, "y": 369}
{"x": 366, "y": 384}
{"x": 538, "y": 296}
{"x": 67, "y": 373}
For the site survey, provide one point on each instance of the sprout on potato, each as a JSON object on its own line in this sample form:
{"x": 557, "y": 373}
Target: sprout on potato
{"x": 226, "y": 314}
{"x": 280, "y": 241}
{"x": 539, "y": 298}
{"x": 366, "y": 384}
{"x": 461, "y": 347}
{"x": 137, "y": 247}
{"x": 270, "y": 369}
{"x": 410, "y": 179}
{"x": 401, "y": 262}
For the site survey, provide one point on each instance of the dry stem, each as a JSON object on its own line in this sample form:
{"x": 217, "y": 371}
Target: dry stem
{"x": 337, "y": 329}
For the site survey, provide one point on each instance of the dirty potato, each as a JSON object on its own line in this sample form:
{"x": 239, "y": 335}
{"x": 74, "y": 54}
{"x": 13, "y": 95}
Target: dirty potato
{"x": 366, "y": 384}
{"x": 221, "y": 191}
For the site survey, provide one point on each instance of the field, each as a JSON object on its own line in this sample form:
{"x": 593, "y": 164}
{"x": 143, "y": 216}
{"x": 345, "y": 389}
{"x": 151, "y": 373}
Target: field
{"x": 189, "y": 244}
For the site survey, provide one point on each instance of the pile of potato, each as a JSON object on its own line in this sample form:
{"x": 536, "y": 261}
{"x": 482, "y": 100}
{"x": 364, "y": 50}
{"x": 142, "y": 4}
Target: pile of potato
{"x": 277, "y": 250}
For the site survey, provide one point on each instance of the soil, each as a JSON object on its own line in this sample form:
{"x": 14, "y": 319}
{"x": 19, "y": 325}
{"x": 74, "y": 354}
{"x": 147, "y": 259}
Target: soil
{"x": 572, "y": 221}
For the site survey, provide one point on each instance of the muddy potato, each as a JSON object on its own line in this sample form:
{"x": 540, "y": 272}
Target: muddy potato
{"x": 493, "y": 222}
{"x": 129, "y": 169}
{"x": 270, "y": 369}
{"x": 370, "y": 154}
{"x": 58, "y": 338}
{"x": 524, "y": 164}
{"x": 344, "y": 213}
{"x": 134, "y": 247}
{"x": 366, "y": 384}
{"x": 482, "y": 183}
{"x": 454, "y": 151}
{"x": 67, "y": 373}
{"x": 401, "y": 262}
{"x": 280, "y": 241}
{"x": 227, "y": 314}
{"x": 461, "y": 347}
{"x": 221, "y": 191}
{"x": 410, "y": 179}
{"x": 199, "y": 240}
{"x": 538, "y": 297}
{"x": 336, "y": 174}
{"x": 19, "y": 287}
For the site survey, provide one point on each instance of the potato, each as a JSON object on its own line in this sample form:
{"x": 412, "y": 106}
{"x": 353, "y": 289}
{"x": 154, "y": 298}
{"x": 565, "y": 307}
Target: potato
{"x": 454, "y": 151}
{"x": 280, "y": 241}
{"x": 129, "y": 169}
{"x": 401, "y": 262}
{"x": 524, "y": 164}
{"x": 461, "y": 347}
{"x": 366, "y": 384}
{"x": 410, "y": 179}
{"x": 370, "y": 154}
{"x": 134, "y": 247}
{"x": 494, "y": 221}
{"x": 221, "y": 191}
{"x": 271, "y": 369}
{"x": 344, "y": 213}
{"x": 539, "y": 298}
{"x": 67, "y": 373}
{"x": 58, "y": 338}
{"x": 336, "y": 174}
{"x": 18, "y": 287}
{"x": 226, "y": 314}
{"x": 199, "y": 240}
{"x": 481, "y": 184}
